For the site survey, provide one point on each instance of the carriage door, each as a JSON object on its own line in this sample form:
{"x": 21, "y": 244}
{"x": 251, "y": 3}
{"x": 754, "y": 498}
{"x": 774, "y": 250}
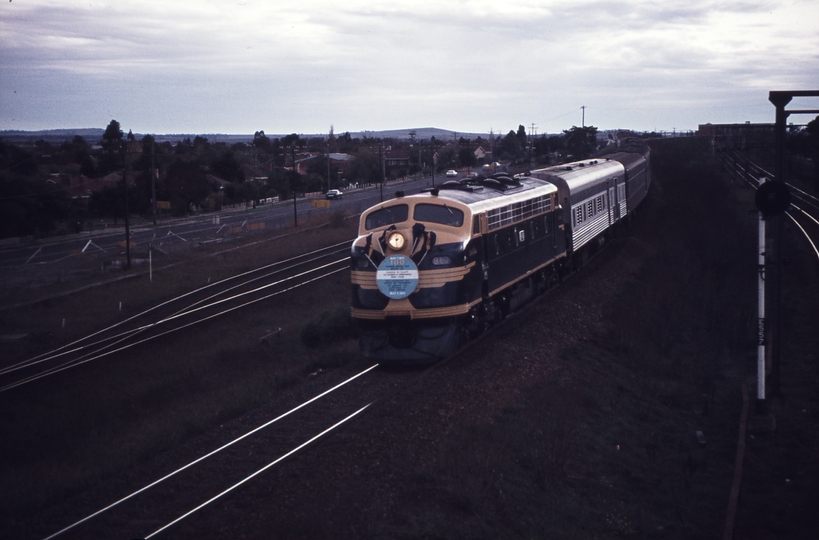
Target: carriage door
{"x": 614, "y": 208}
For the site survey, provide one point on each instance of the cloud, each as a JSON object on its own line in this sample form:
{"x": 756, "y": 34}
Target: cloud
{"x": 371, "y": 64}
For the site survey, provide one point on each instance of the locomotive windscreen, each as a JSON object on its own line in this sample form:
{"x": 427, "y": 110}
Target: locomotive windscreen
{"x": 436, "y": 213}
{"x": 387, "y": 216}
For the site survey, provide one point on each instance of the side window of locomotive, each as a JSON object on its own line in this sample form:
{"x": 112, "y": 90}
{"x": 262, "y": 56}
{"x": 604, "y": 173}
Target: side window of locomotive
{"x": 387, "y": 216}
{"x": 438, "y": 213}
{"x": 476, "y": 225}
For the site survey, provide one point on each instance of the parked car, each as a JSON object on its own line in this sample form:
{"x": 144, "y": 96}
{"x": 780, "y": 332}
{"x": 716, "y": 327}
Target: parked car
{"x": 451, "y": 174}
{"x": 334, "y": 194}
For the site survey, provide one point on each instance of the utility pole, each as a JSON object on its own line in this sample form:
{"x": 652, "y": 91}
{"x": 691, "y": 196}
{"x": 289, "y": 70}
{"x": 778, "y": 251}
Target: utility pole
{"x": 532, "y": 146}
{"x": 127, "y": 210}
{"x": 383, "y": 169}
{"x": 583, "y": 122}
{"x": 153, "y": 177}
{"x": 293, "y": 185}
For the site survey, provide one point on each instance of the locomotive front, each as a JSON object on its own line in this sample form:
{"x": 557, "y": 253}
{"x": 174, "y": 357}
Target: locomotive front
{"x": 415, "y": 276}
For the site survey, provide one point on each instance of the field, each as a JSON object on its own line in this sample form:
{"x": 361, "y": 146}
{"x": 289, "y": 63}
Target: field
{"x": 577, "y": 419}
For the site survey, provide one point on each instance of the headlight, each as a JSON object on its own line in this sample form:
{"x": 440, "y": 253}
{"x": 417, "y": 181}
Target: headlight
{"x": 362, "y": 263}
{"x": 396, "y": 241}
{"x": 441, "y": 260}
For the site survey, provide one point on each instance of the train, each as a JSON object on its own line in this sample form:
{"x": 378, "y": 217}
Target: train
{"x": 429, "y": 271}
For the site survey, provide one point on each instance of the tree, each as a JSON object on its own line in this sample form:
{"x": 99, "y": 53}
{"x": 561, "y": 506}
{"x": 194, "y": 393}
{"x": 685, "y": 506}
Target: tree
{"x": 111, "y": 148}
{"x": 228, "y": 168}
{"x": 17, "y": 161}
{"x": 112, "y": 138}
{"x": 521, "y": 135}
{"x": 581, "y": 142}
{"x": 466, "y": 157}
{"x": 186, "y": 184}
{"x": 365, "y": 167}
{"x": 261, "y": 142}
{"x": 279, "y": 183}
{"x": 509, "y": 146}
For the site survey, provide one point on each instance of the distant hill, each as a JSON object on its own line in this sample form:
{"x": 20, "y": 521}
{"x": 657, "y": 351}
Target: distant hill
{"x": 93, "y": 135}
{"x": 420, "y": 133}
{"x": 52, "y": 135}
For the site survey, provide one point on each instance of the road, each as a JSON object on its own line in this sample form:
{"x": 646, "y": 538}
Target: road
{"x": 43, "y": 261}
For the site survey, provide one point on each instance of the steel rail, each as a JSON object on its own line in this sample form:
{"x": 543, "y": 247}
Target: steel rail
{"x": 753, "y": 183}
{"x": 471, "y": 343}
{"x": 815, "y": 250}
{"x": 122, "y": 336}
{"x": 258, "y": 472}
{"x": 433, "y": 367}
{"x": 209, "y": 454}
{"x": 54, "y": 352}
{"x": 71, "y": 364}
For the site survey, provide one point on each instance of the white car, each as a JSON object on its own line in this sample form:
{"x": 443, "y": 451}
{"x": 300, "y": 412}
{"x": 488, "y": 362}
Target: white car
{"x": 333, "y": 194}
{"x": 451, "y": 174}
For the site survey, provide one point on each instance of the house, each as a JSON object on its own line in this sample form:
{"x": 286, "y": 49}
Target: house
{"x": 396, "y": 159}
{"x": 481, "y": 153}
{"x": 80, "y": 187}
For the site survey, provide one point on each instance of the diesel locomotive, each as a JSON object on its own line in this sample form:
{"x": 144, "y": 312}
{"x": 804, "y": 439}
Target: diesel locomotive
{"x": 429, "y": 270}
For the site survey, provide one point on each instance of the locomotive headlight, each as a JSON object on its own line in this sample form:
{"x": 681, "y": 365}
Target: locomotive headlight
{"x": 396, "y": 241}
{"x": 362, "y": 263}
{"x": 441, "y": 260}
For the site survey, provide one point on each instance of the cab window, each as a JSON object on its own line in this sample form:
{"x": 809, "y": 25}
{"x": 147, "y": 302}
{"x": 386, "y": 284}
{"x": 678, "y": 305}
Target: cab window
{"x": 438, "y": 213}
{"x": 387, "y": 216}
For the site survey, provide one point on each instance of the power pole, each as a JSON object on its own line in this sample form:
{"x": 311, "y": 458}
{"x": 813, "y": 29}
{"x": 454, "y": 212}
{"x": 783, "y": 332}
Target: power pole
{"x": 127, "y": 210}
{"x": 293, "y": 185}
{"x": 383, "y": 170}
{"x": 153, "y": 177}
{"x": 328, "y": 164}
{"x": 583, "y": 123}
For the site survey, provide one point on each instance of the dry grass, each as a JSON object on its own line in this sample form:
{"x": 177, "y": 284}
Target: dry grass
{"x": 64, "y": 433}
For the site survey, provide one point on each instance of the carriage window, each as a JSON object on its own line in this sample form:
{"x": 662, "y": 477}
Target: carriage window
{"x": 387, "y": 216}
{"x": 438, "y": 213}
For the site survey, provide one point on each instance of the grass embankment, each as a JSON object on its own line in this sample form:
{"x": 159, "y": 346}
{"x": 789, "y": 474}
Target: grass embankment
{"x": 607, "y": 446}
{"x": 66, "y": 432}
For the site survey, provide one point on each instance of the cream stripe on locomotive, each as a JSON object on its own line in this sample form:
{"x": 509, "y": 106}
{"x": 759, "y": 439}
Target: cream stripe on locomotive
{"x": 403, "y": 308}
{"x": 427, "y": 279}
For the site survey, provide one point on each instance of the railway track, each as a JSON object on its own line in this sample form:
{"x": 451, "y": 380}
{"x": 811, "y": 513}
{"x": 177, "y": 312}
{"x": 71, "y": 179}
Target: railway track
{"x": 804, "y": 211}
{"x": 176, "y": 314}
{"x": 159, "y": 505}
{"x": 177, "y": 495}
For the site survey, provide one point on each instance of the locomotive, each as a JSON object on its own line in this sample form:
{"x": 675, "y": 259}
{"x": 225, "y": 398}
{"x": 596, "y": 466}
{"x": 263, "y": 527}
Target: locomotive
{"x": 430, "y": 270}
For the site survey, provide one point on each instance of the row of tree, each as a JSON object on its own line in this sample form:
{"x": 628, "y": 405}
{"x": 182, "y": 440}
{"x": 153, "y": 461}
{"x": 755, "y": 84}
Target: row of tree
{"x": 198, "y": 173}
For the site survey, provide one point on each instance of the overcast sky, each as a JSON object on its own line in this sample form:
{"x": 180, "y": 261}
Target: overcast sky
{"x": 282, "y": 66}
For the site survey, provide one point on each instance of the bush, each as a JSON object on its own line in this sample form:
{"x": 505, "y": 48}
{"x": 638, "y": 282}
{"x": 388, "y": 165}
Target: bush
{"x": 329, "y": 327}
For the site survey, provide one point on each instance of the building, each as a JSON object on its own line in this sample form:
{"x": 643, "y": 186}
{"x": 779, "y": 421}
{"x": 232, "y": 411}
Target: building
{"x": 740, "y": 136}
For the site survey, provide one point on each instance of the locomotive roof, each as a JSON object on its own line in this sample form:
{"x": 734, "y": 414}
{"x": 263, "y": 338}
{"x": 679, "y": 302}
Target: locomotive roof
{"x": 480, "y": 195}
